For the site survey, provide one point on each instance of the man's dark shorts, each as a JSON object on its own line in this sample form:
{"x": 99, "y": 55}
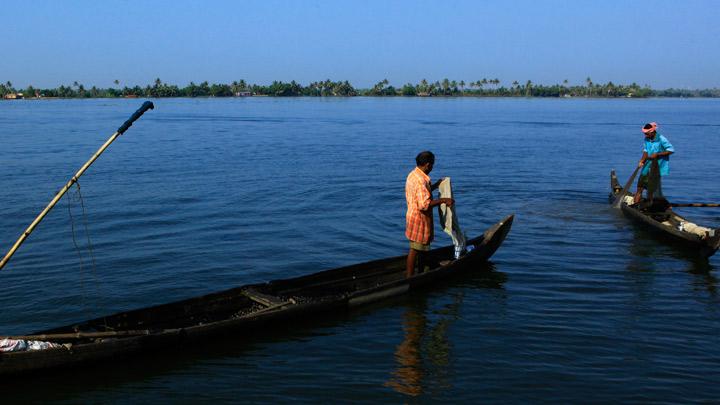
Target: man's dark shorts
{"x": 643, "y": 181}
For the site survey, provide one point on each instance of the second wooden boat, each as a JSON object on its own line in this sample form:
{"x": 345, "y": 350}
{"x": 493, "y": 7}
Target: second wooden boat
{"x": 670, "y": 225}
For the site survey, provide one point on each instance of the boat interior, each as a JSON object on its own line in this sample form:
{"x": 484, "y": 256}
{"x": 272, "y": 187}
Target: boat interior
{"x": 257, "y": 298}
{"x": 661, "y": 211}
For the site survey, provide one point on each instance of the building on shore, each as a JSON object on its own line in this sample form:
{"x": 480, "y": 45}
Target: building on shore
{"x": 13, "y": 96}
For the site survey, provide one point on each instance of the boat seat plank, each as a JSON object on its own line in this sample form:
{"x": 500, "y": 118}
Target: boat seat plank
{"x": 263, "y": 299}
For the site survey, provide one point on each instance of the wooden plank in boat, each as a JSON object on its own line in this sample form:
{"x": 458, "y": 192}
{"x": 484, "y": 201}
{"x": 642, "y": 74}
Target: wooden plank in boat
{"x": 264, "y": 299}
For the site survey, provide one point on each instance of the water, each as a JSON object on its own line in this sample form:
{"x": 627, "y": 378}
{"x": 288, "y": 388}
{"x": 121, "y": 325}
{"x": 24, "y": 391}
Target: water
{"x": 202, "y": 195}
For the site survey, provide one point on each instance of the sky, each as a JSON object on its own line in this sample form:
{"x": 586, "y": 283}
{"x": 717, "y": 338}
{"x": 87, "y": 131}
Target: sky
{"x": 655, "y": 42}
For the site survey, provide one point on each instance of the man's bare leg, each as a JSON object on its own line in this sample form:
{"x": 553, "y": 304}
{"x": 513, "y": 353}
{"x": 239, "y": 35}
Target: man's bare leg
{"x": 411, "y": 260}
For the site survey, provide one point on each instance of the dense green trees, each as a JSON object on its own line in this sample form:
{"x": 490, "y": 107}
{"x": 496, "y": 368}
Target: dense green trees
{"x": 327, "y": 88}
{"x": 6, "y": 88}
{"x": 382, "y": 88}
{"x": 408, "y": 90}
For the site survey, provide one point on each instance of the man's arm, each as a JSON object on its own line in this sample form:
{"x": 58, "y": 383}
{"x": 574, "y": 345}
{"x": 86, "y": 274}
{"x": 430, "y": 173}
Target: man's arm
{"x": 667, "y": 146}
{"x": 427, "y": 203}
{"x": 660, "y": 154}
{"x": 643, "y": 159}
{"x": 425, "y": 197}
{"x": 447, "y": 201}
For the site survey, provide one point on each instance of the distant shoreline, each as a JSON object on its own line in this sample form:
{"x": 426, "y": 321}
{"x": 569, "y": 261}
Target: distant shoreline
{"x": 445, "y": 88}
{"x": 262, "y": 96}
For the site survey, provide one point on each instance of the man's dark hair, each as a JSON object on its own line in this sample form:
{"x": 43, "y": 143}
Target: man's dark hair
{"x": 647, "y": 126}
{"x": 424, "y": 157}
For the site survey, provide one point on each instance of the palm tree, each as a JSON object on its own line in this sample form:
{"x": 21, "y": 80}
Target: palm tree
{"x": 329, "y": 85}
{"x": 589, "y": 85}
{"x": 610, "y": 89}
{"x": 423, "y": 86}
{"x": 528, "y": 88}
{"x": 117, "y": 82}
{"x": 462, "y": 86}
{"x": 377, "y": 89}
{"x": 319, "y": 88}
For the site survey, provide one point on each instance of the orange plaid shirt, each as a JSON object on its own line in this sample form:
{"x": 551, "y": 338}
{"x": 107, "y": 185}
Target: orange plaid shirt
{"x": 419, "y": 216}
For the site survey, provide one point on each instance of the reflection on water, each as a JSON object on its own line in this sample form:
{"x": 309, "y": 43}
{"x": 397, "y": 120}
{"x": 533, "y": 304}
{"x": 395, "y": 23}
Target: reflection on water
{"x": 424, "y": 356}
{"x": 646, "y": 246}
{"x": 703, "y": 277}
{"x": 650, "y": 244}
{"x": 408, "y": 377}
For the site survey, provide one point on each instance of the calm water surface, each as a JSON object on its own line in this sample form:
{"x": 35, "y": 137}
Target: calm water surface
{"x": 203, "y": 195}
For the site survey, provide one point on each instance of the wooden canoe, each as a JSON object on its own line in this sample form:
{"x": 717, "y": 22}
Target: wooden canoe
{"x": 668, "y": 224}
{"x": 243, "y": 309}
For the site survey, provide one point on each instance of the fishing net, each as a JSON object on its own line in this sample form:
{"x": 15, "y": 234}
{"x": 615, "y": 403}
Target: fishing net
{"x": 77, "y": 198}
{"x": 654, "y": 186}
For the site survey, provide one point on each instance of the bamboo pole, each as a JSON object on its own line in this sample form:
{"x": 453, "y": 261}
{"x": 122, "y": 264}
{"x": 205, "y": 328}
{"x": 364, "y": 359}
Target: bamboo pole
{"x": 714, "y": 205}
{"x": 137, "y": 114}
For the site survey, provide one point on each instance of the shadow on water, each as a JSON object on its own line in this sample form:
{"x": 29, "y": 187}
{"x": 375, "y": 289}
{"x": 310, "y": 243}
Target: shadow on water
{"x": 647, "y": 244}
{"x": 423, "y": 358}
{"x": 646, "y": 249}
{"x": 64, "y": 385}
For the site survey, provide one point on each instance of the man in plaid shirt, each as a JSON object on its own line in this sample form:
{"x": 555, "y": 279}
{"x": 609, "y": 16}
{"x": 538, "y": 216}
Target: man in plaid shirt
{"x": 419, "y": 216}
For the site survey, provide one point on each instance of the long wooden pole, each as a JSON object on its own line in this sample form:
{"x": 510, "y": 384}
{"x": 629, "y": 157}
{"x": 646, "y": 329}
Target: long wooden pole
{"x": 137, "y": 114}
{"x": 713, "y": 205}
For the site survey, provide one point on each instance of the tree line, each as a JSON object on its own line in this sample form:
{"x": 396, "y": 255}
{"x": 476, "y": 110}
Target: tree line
{"x": 449, "y": 88}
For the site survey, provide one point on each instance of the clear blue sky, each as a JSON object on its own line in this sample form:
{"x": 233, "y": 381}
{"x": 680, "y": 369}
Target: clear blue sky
{"x": 655, "y": 42}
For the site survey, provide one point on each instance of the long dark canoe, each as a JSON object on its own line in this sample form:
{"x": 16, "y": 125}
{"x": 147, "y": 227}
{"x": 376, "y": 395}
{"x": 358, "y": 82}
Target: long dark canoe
{"x": 242, "y": 309}
{"x": 670, "y": 225}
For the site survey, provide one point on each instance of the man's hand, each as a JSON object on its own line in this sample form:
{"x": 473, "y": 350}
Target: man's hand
{"x": 641, "y": 163}
{"x": 437, "y": 184}
{"x": 447, "y": 201}
{"x": 653, "y": 156}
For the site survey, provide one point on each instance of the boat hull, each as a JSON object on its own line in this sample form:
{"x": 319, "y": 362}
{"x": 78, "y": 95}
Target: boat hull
{"x": 667, "y": 230}
{"x": 244, "y": 309}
